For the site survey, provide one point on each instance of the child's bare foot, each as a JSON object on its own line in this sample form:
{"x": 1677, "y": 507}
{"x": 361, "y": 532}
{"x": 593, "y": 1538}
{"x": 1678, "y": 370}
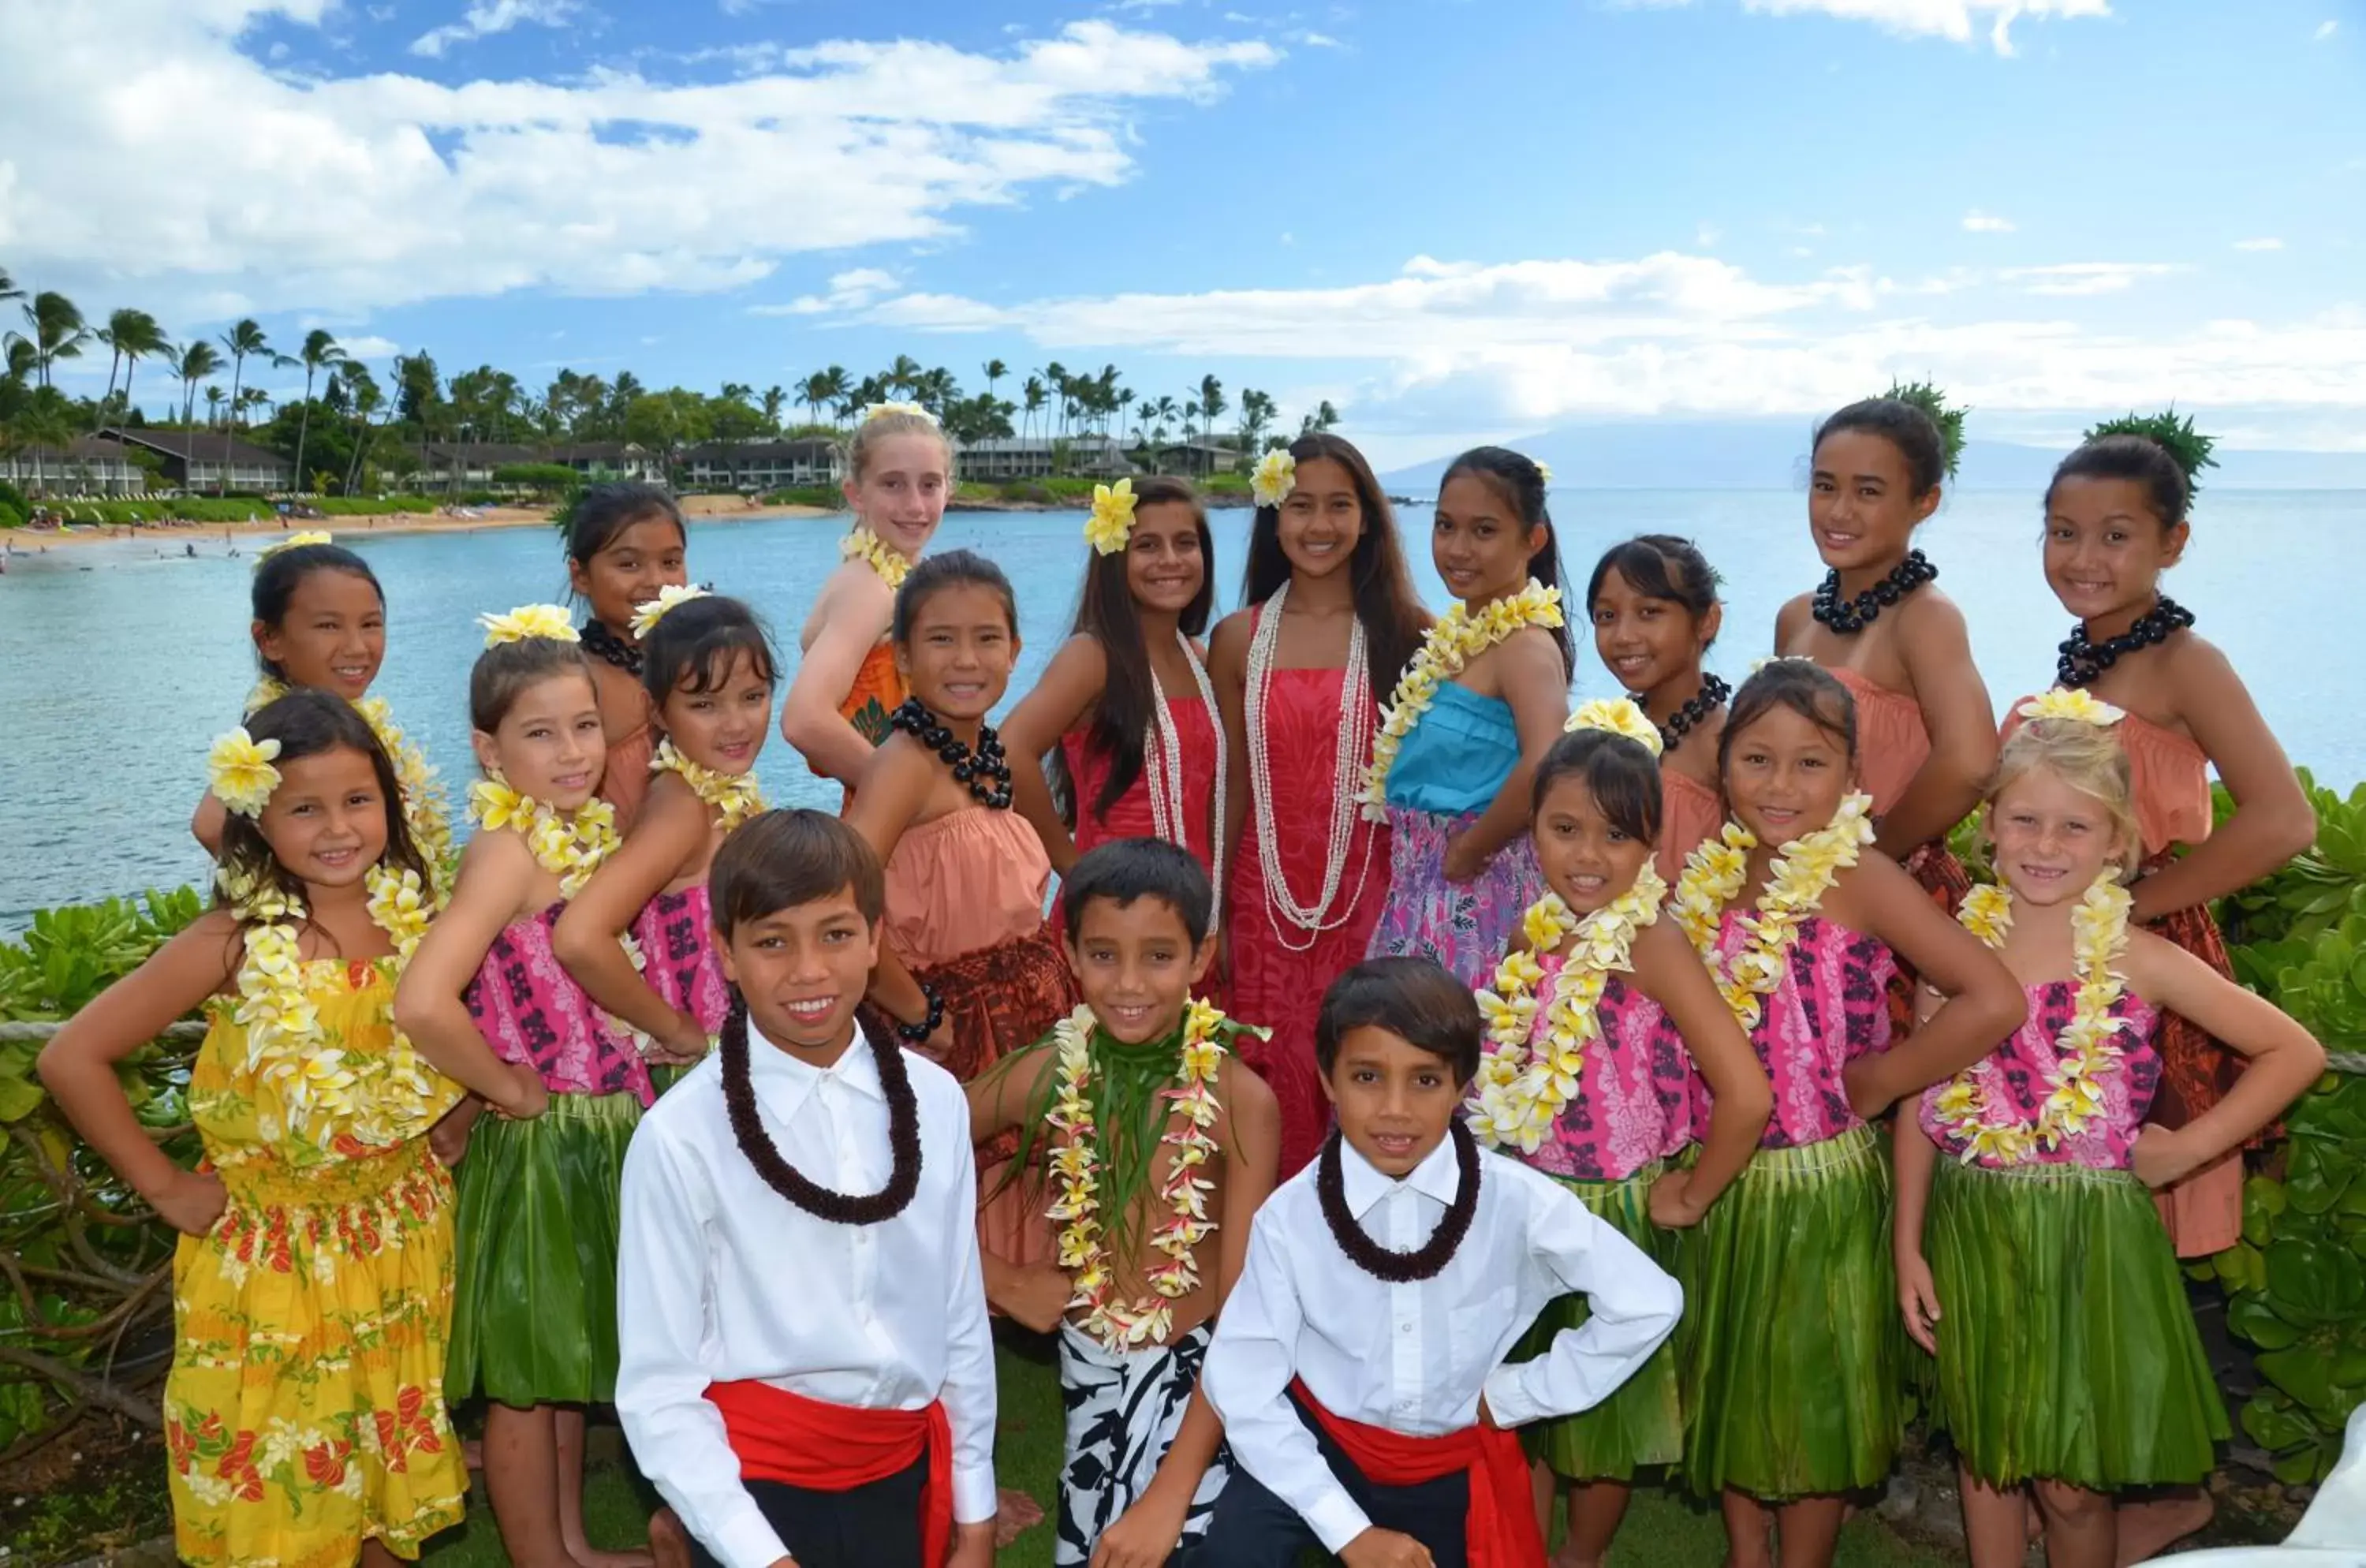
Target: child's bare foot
{"x": 669, "y": 1542}
{"x": 1015, "y": 1513}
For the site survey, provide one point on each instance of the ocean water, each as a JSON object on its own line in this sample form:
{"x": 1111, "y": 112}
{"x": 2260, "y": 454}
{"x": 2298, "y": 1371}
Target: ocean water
{"x": 114, "y": 679}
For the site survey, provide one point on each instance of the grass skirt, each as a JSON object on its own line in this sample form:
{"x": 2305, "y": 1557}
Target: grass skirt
{"x": 533, "y": 1319}
{"x": 1790, "y": 1342}
{"x": 1641, "y": 1424}
{"x": 2066, "y": 1350}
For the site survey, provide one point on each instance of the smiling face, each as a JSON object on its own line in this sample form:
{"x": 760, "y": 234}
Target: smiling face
{"x": 1647, "y": 643}
{"x": 1394, "y": 1098}
{"x": 1786, "y": 774}
{"x": 625, "y": 573}
{"x": 722, "y": 727}
{"x": 1480, "y": 547}
{"x": 326, "y": 822}
{"x": 2105, "y": 549}
{"x": 1136, "y": 965}
{"x": 958, "y": 657}
{"x": 1322, "y": 520}
{"x": 902, "y": 492}
{"x": 1586, "y": 858}
{"x": 333, "y": 636}
{"x": 1861, "y": 502}
{"x": 803, "y": 971}
{"x": 2052, "y": 839}
{"x": 549, "y": 745}
{"x": 1165, "y": 567}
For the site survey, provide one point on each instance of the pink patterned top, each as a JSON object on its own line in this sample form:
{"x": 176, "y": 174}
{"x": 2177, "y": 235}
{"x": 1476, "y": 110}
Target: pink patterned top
{"x": 676, "y": 933}
{"x": 2019, "y": 1076}
{"x": 532, "y": 1012}
{"x": 1633, "y": 1103}
{"x": 1828, "y": 1009}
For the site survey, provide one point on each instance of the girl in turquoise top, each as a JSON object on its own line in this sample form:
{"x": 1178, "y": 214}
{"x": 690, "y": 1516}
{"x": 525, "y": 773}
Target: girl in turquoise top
{"x": 1461, "y": 868}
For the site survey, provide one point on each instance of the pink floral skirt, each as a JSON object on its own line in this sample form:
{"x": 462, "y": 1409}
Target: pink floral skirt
{"x": 1466, "y": 926}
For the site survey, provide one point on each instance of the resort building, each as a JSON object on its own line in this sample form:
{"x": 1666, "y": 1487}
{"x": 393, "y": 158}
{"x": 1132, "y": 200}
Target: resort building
{"x": 470, "y": 464}
{"x": 1037, "y": 457}
{"x": 760, "y": 466}
{"x": 85, "y": 466}
{"x": 201, "y": 460}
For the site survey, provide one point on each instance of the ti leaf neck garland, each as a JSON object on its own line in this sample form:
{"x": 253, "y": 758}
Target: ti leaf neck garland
{"x": 1853, "y": 615}
{"x": 1383, "y": 1263}
{"x": 2081, "y": 662}
{"x": 755, "y": 1145}
{"x": 983, "y": 770}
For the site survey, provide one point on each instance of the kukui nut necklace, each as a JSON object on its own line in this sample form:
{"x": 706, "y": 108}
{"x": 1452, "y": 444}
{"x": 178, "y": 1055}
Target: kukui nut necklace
{"x": 602, "y": 644}
{"x": 2083, "y": 662}
{"x": 1864, "y": 609}
{"x": 1687, "y": 718}
{"x": 982, "y": 768}
{"x": 838, "y": 1208}
{"x": 1295, "y": 925}
{"x": 1384, "y": 1263}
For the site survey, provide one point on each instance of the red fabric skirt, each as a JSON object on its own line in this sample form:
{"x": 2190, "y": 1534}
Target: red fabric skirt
{"x": 818, "y": 1446}
{"x": 1935, "y": 868}
{"x": 2204, "y": 1212}
{"x": 1501, "y": 1530}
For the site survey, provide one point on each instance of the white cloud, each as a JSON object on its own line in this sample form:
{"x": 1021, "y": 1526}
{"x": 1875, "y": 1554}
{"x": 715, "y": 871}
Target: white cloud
{"x": 848, "y": 291}
{"x": 1951, "y": 19}
{"x": 2325, "y": 29}
{"x": 483, "y": 18}
{"x": 2075, "y": 278}
{"x": 1979, "y": 222}
{"x": 2269, "y": 243}
{"x": 230, "y": 185}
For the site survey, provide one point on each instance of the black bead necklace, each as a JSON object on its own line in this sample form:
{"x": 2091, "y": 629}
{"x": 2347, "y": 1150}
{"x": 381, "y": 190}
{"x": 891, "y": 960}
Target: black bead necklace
{"x": 838, "y": 1208}
{"x": 1384, "y": 1263}
{"x": 602, "y": 644}
{"x": 1861, "y": 611}
{"x": 2083, "y": 662}
{"x": 983, "y": 770}
{"x": 1687, "y": 718}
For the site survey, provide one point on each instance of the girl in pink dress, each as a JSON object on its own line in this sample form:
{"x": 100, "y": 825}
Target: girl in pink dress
{"x": 2031, "y": 1261}
{"x": 1330, "y": 618}
{"x": 1613, "y": 1139}
{"x": 1655, "y": 612}
{"x": 1792, "y": 1364}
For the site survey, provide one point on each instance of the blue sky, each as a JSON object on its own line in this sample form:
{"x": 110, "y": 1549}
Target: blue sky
{"x": 1459, "y": 220}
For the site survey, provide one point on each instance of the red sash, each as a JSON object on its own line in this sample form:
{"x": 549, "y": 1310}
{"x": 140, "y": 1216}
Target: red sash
{"x": 1500, "y": 1530}
{"x": 819, "y": 1446}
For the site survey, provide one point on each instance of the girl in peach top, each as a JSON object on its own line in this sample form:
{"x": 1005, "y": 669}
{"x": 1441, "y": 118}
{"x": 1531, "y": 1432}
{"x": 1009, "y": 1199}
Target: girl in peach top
{"x": 1655, "y": 612}
{"x": 1926, "y": 729}
{"x": 624, "y": 541}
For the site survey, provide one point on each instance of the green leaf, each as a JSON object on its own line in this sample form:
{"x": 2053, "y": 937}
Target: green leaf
{"x": 2251, "y": 1317}
{"x": 20, "y": 1098}
{"x": 2305, "y": 1371}
{"x": 2311, "y": 1282}
{"x": 2275, "y": 1425}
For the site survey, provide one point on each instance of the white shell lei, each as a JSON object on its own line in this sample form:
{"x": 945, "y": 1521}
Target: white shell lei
{"x": 1162, "y": 769}
{"x": 1287, "y": 917}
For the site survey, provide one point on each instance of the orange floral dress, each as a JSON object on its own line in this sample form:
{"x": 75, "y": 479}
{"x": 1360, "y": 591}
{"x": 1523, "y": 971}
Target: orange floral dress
{"x": 304, "y": 1412}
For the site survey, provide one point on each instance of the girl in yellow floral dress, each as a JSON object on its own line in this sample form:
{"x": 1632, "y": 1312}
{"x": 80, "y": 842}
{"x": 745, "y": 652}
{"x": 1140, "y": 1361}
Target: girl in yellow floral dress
{"x": 312, "y": 1291}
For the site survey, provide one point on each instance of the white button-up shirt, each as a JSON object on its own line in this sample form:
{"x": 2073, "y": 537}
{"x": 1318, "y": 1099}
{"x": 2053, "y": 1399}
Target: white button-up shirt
{"x": 1415, "y": 1358}
{"x": 720, "y": 1279}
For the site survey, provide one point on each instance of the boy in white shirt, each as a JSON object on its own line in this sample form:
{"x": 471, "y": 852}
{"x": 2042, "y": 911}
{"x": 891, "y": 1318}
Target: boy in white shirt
{"x": 807, "y": 1374}
{"x": 1358, "y": 1365}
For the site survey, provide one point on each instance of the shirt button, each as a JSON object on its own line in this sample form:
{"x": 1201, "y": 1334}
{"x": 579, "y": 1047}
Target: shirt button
{"x": 1404, "y": 1328}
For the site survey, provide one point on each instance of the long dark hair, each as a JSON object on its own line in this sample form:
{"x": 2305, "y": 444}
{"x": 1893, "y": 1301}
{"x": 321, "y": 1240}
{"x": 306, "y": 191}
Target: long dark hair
{"x": 1391, "y": 611}
{"x": 307, "y": 723}
{"x": 1107, "y": 614}
{"x": 1515, "y": 476}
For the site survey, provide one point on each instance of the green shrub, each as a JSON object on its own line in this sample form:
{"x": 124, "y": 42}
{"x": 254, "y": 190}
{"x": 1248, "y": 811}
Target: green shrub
{"x": 1029, "y": 490}
{"x": 824, "y": 496}
{"x": 552, "y": 477}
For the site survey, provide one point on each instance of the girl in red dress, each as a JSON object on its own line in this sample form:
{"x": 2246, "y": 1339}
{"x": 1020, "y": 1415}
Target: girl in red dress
{"x": 1329, "y": 619}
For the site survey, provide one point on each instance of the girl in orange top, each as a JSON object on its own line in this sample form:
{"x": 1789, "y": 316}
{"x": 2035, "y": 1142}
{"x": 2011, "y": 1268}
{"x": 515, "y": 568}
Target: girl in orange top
{"x": 2115, "y": 519}
{"x": 898, "y": 477}
{"x": 1926, "y": 729}
{"x": 1655, "y": 612}
{"x": 624, "y": 541}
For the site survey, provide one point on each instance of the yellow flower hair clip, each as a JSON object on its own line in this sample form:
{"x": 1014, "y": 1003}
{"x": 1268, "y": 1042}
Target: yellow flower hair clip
{"x": 1274, "y": 476}
{"x": 1544, "y": 471}
{"x": 1111, "y": 521}
{"x": 546, "y": 620}
{"x": 292, "y": 542}
{"x": 2071, "y": 703}
{"x": 881, "y": 410}
{"x": 239, "y": 772}
{"x": 670, "y": 597}
{"x": 1619, "y": 716}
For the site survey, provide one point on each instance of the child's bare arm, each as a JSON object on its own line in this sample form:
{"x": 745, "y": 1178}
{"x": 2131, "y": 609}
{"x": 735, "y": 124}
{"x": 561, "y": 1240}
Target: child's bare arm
{"x": 1535, "y": 687}
{"x": 2285, "y": 1058}
{"x": 1956, "y": 712}
{"x": 1671, "y": 973}
{"x": 2273, "y": 820}
{"x": 1984, "y": 1002}
{"x": 495, "y": 870}
{"x": 673, "y": 826}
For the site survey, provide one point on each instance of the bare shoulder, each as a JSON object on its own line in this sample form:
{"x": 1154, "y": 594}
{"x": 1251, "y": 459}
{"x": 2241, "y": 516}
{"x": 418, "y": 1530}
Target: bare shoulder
{"x": 1228, "y": 644}
{"x": 1246, "y": 1095}
{"x": 1791, "y": 619}
{"x": 1662, "y": 946}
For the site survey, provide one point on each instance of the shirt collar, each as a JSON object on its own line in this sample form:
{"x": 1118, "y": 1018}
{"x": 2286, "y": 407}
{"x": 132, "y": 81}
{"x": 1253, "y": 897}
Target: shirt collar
{"x": 1438, "y": 1177}
{"x": 785, "y": 1080}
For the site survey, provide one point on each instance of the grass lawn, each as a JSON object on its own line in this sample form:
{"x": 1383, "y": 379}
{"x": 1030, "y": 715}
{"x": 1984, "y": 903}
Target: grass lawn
{"x": 1664, "y": 1531}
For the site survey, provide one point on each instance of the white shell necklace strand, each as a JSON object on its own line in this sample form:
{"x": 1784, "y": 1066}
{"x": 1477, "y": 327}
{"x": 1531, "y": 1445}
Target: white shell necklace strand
{"x": 1282, "y": 908}
{"x": 1162, "y": 768}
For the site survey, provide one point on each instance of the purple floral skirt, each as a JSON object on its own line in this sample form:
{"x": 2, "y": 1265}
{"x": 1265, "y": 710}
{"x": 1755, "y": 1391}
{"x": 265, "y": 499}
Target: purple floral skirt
{"x": 1466, "y": 926}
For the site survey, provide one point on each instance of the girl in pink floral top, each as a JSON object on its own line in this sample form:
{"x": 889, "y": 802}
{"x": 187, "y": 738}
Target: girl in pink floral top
{"x": 1595, "y": 807}
{"x": 1792, "y": 1372}
{"x": 2068, "y": 1365}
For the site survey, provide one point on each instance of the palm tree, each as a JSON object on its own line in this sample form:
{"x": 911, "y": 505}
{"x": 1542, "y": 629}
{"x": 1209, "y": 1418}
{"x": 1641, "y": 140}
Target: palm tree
{"x": 837, "y": 390}
{"x": 320, "y": 353}
{"x": 8, "y": 289}
{"x": 1211, "y": 406}
{"x": 197, "y": 362}
{"x": 362, "y": 388}
{"x": 813, "y": 391}
{"x": 245, "y": 338}
{"x": 1035, "y": 399}
{"x": 214, "y": 396}
{"x": 131, "y": 334}
{"x": 995, "y": 370}
{"x": 776, "y": 398}
{"x": 903, "y": 376}
{"x": 58, "y": 330}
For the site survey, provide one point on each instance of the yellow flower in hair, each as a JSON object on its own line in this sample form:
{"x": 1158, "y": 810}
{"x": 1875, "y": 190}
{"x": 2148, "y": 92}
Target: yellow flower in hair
{"x": 528, "y": 621}
{"x": 1112, "y": 517}
{"x": 1544, "y": 471}
{"x": 1274, "y": 477}
{"x": 880, "y": 411}
{"x": 239, "y": 772}
{"x": 2069, "y": 701}
{"x": 645, "y": 618}
{"x": 292, "y": 542}
{"x": 1619, "y": 716}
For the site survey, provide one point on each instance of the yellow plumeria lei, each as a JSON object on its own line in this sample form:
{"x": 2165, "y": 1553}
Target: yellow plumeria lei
{"x": 1803, "y": 870}
{"x": 424, "y": 811}
{"x": 379, "y": 1100}
{"x": 569, "y": 848}
{"x": 1274, "y": 476}
{"x": 1619, "y": 716}
{"x": 1460, "y": 636}
{"x": 890, "y": 563}
{"x": 1521, "y": 1091}
{"x": 736, "y": 795}
{"x": 2090, "y": 1054}
{"x": 1110, "y": 521}
{"x": 1184, "y": 1190}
